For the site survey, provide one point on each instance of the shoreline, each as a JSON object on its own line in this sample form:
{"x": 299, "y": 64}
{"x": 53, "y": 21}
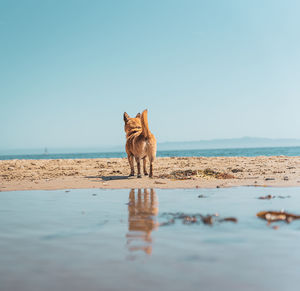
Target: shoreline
{"x": 169, "y": 173}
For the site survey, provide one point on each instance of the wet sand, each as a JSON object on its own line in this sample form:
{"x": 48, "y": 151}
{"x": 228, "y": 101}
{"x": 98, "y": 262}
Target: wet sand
{"x": 172, "y": 172}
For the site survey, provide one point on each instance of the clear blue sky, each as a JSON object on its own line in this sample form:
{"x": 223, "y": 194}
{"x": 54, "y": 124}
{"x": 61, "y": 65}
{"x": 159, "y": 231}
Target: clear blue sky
{"x": 204, "y": 69}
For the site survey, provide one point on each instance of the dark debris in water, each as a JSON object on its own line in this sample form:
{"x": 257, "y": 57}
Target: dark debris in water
{"x": 202, "y": 196}
{"x": 232, "y": 219}
{"x": 268, "y": 197}
{"x": 273, "y": 216}
{"x": 169, "y": 222}
{"x": 197, "y": 218}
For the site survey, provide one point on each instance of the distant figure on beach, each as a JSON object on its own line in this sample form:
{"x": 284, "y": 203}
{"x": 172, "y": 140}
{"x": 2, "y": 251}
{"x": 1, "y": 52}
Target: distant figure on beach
{"x": 142, "y": 213}
{"x": 140, "y": 142}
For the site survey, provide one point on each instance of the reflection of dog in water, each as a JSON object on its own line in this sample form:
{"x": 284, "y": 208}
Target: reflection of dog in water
{"x": 142, "y": 212}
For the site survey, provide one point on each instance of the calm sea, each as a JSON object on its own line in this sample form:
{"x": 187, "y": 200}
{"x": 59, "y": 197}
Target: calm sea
{"x": 237, "y": 152}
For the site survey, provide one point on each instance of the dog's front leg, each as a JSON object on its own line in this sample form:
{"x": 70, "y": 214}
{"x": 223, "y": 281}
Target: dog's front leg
{"x": 130, "y": 160}
{"x": 144, "y": 164}
{"x": 138, "y": 162}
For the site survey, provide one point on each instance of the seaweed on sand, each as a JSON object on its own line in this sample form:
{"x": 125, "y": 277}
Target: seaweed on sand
{"x": 191, "y": 174}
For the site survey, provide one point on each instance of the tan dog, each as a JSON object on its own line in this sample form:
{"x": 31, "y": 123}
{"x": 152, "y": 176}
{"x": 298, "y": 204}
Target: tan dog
{"x": 140, "y": 142}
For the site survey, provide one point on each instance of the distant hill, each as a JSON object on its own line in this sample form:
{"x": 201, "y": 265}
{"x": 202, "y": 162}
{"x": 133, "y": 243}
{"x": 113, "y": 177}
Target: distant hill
{"x": 244, "y": 142}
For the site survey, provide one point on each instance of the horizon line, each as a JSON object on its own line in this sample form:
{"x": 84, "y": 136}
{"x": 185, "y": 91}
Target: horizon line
{"x": 163, "y": 142}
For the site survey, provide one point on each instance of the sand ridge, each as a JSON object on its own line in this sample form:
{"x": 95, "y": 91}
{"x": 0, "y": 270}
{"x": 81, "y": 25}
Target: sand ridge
{"x": 169, "y": 172}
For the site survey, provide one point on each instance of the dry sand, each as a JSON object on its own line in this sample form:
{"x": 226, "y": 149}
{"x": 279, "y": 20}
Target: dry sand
{"x": 174, "y": 172}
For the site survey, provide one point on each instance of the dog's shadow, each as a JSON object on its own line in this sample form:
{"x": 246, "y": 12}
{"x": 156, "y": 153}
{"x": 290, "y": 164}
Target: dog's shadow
{"x": 108, "y": 178}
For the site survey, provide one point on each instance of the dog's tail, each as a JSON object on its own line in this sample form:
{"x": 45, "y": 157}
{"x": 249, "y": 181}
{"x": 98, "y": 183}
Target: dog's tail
{"x": 145, "y": 127}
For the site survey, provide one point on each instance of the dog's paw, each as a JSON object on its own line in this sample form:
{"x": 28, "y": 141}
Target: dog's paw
{"x": 146, "y": 174}
{"x": 139, "y": 176}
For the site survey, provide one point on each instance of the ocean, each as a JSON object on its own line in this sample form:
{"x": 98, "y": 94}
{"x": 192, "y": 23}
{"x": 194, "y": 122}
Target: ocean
{"x": 233, "y": 152}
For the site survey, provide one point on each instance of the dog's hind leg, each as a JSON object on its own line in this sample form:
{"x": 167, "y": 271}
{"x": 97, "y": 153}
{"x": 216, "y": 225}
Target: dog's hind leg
{"x": 144, "y": 164}
{"x": 151, "y": 167}
{"x": 130, "y": 160}
{"x": 138, "y": 162}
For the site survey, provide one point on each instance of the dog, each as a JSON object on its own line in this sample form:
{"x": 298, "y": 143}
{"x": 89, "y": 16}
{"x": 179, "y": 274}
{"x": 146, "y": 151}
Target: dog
{"x": 140, "y": 142}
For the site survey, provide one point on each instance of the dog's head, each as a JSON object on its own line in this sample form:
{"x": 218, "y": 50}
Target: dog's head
{"x": 132, "y": 123}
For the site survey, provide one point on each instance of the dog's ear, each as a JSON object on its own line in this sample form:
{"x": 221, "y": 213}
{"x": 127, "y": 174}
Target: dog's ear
{"x": 126, "y": 117}
{"x": 138, "y": 115}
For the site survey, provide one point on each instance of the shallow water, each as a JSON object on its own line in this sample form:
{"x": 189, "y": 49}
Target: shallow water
{"x": 227, "y": 152}
{"x": 112, "y": 240}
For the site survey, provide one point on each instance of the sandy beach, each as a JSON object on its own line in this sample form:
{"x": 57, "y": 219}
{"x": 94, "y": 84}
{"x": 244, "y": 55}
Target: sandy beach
{"x": 172, "y": 172}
